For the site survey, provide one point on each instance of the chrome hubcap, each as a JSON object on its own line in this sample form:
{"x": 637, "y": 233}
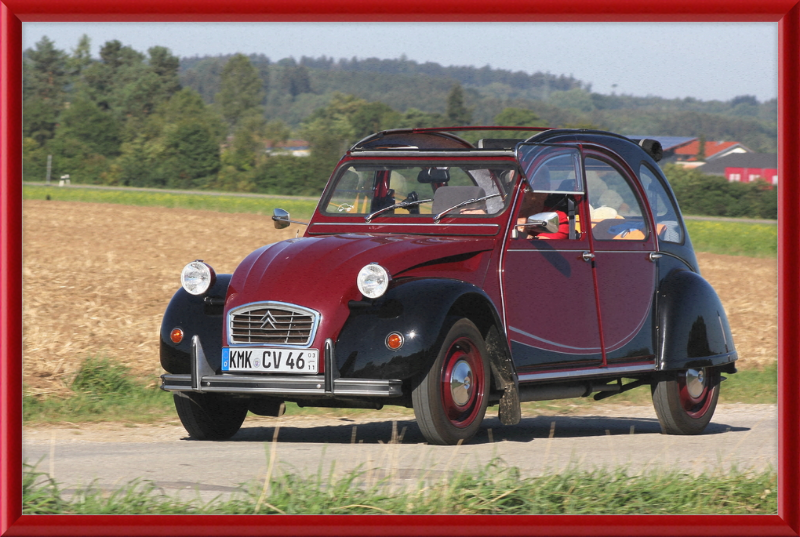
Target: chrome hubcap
{"x": 695, "y": 382}
{"x": 461, "y": 383}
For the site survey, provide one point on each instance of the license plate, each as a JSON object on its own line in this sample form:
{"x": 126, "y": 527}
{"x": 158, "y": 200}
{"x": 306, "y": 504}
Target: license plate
{"x": 261, "y": 360}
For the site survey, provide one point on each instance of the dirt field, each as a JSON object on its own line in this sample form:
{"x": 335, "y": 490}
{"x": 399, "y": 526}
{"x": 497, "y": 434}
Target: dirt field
{"x": 97, "y": 278}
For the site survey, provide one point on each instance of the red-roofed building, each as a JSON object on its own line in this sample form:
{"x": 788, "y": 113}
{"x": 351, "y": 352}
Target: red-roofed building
{"x": 689, "y": 154}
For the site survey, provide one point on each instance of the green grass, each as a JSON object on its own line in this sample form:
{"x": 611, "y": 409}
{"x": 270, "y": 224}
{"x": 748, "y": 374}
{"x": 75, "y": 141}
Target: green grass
{"x": 299, "y": 208}
{"x": 105, "y": 391}
{"x": 493, "y": 489}
{"x": 734, "y": 238}
{"x": 101, "y": 391}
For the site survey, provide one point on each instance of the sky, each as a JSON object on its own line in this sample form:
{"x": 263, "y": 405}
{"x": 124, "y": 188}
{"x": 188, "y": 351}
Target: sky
{"x": 706, "y": 61}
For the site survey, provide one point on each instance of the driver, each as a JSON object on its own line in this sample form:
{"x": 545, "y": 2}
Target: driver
{"x": 538, "y": 202}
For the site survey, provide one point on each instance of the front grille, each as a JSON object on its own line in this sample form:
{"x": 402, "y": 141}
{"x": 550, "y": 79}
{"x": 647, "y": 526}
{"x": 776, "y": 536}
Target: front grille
{"x": 276, "y": 324}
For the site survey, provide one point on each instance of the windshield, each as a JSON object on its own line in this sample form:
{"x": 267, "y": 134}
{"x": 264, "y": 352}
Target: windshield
{"x": 370, "y": 189}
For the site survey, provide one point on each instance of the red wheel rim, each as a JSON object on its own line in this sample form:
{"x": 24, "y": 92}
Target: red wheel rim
{"x": 695, "y": 406}
{"x": 463, "y": 386}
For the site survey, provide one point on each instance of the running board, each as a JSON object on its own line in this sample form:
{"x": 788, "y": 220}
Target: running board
{"x": 588, "y": 372}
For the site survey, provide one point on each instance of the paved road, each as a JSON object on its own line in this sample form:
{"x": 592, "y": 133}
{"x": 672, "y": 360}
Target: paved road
{"x": 744, "y": 435}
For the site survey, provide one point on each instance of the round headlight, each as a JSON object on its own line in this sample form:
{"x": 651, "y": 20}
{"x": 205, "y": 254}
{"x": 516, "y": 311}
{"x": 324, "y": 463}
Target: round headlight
{"x": 197, "y": 277}
{"x": 373, "y": 280}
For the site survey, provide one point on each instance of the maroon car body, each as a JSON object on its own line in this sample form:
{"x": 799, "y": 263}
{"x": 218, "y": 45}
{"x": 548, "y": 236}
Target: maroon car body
{"x": 449, "y": 276}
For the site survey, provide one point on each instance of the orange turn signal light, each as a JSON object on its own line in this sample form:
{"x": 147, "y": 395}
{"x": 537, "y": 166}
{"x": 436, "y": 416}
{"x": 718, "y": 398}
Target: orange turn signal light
{"x": 394, "y": 340}
{"x": 176, "y": 335}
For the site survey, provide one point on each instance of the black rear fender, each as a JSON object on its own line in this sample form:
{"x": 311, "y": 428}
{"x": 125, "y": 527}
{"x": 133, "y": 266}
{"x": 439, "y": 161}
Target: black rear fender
{"x": 693, "y": 329}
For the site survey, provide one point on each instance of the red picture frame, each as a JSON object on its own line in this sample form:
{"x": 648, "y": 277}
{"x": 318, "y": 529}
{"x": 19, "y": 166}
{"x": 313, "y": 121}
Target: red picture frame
{"x": 13, "y": 12}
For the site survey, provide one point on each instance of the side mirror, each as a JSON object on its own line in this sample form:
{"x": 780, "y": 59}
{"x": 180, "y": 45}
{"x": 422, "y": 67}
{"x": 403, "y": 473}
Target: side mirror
{"x": 281, "y": 218}
{"x": 543, "y": 222}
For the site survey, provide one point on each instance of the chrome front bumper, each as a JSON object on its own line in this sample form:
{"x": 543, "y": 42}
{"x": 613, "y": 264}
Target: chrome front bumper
{"x": 203, "y": 378}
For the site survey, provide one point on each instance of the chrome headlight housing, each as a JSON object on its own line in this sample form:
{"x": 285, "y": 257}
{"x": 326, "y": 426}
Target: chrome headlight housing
{"x": 197, "y": 277}
{"x": 373, "y": 280}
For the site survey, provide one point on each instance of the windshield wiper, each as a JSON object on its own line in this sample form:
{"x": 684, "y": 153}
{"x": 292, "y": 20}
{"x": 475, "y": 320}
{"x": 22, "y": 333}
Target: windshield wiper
{"x": 463, "y": 203}
{"x": 401, "y": 205}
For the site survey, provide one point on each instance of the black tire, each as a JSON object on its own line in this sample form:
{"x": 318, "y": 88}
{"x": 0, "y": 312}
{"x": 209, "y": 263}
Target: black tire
{"x": 686, "y": 400}
{"x": 448, "y": 416}
{"x": 210, "y": 416}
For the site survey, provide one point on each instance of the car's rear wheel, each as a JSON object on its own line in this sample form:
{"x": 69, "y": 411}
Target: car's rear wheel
{"x": 210, "y": 416}
{"x": 450, "y": 399}
{"x": 686, "y": 400}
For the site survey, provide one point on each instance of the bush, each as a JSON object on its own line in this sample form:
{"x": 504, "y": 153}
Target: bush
{"x": 101, "y": 377}
{"x": 712, "y": 195}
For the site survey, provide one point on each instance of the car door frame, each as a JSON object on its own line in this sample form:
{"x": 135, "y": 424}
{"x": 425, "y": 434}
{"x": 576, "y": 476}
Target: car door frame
{"x": 619, "y": 340}
{"x": 563, "y": 258}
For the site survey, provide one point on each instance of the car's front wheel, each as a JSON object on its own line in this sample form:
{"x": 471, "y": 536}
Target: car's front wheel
{"x": 450, "y": 399}
{"x": 210, "y": 416}
{"x": 686, "y": 400}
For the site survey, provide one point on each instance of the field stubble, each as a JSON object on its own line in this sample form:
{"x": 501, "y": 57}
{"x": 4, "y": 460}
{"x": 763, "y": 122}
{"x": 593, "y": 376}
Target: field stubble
{"x": 97, "y": 278}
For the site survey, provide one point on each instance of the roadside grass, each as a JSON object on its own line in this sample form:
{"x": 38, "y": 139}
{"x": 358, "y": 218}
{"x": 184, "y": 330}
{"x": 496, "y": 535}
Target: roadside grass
{"x": 734, "y": 238}
{"x": 730, "y": 238}
{"x": 207, "y": 201}
{"x": 493, "y": 489}
{"x": 104, "y": 390}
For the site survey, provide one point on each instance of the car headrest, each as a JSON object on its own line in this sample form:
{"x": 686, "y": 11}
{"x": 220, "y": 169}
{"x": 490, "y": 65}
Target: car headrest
{"x": 434, "y": 175}
{"x": 447, "y": 196}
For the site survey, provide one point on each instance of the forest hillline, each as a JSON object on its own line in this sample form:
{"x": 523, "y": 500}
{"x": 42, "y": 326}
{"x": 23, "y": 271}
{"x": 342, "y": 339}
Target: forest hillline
{"x": 149, "y": 118}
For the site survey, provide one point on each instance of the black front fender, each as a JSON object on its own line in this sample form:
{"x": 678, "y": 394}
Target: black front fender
{"x": 422, "y": 311}
{"x": 195, "y": 315}
{"x": 693, "y": 327}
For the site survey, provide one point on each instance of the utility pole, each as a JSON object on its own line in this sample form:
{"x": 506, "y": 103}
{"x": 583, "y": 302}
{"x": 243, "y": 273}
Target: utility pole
{"x": 49, "y": 165}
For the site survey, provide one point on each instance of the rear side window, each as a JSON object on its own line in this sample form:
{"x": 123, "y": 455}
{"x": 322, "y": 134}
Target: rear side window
{"x": 664, "y": 212}
{"x": 615, "y": 210}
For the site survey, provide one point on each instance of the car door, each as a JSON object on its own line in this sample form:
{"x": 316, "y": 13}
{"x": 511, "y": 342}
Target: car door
{"x": 549, "y": 296}
{"x": 622, "y": 243}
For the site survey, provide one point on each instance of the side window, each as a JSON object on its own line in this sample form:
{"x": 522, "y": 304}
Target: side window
{"x": 664, "y": 212}
{"x": 615, "y": 210}
{"x": 552, "y": 189}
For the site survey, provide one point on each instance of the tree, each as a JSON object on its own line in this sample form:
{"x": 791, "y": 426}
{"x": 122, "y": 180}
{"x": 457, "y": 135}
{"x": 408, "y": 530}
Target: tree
{"x": 576, "y": 98}
{"x": 48, "y": 72}
{"x": 416, "y": 119}
{"x": 457, "y": 113}
{"x": 80, "y": 60}
{"x": 85, "y": 122}
{"x": 119, "y": 66}
{"x": 744, "y": 99}
{"x": 115, "y": 55}
{"x": 276, "y": 131}
{"x": 241, "y": 90}
{"x": 191, "y": 155}
{"x": 247, "y": 144}
{"x": 519, "y": 117}
{"x": 294, "y": 80}
{"x": 165, "y": 66}
{"x": 39, "y": 120}
{"x": 373, "y": 117}
{"x": 701, "y": 147}
{"x": 155, "y": 156}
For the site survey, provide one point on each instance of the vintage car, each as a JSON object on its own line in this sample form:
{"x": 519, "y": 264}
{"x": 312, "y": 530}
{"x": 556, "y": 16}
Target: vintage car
{"x": 451, "y": 276}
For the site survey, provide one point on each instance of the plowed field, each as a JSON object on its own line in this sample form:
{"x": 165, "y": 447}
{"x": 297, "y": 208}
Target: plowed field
{"x": 97, "y": 278}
